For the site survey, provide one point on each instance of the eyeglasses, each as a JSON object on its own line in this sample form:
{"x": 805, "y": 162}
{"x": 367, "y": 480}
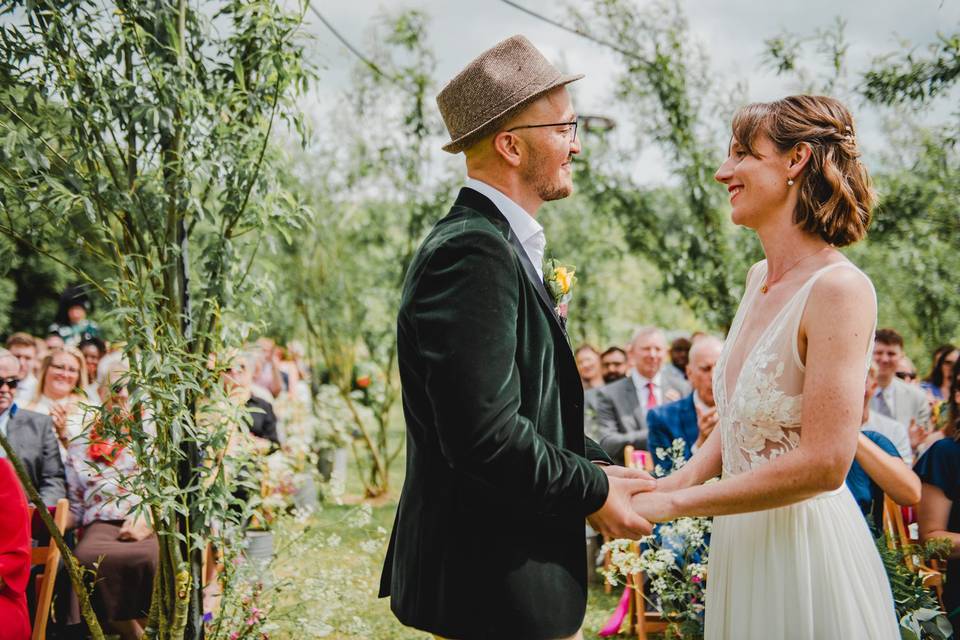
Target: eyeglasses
{"x": 907, "y": 375}
{"x": 63, "y": 367}
{"x": 572, "y": 130}
{"x": 10, "y": 382}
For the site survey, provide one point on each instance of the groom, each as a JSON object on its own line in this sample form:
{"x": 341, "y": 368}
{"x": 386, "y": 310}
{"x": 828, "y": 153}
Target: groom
{"x": 488, "y": 540}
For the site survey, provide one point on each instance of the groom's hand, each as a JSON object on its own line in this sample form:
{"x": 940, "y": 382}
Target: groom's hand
{"x": 617, "y": 518}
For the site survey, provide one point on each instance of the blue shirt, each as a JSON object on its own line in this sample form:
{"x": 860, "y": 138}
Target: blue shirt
{"x": 940, "y": 466}
{"x": 4, "y": 419}
{"x": 868, "y": 494}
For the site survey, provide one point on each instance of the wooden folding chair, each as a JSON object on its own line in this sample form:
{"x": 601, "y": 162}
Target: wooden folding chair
{"x": 642, "y": 621}
{"x": 898, "y": 538}
{"x": 49, "y": 557}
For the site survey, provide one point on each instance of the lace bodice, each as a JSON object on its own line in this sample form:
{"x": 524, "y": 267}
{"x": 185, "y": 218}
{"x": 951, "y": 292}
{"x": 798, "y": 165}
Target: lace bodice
{"x": 759, "y": 388}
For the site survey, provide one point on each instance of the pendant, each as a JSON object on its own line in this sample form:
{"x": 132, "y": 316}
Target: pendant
{"x": 764, "y": 288}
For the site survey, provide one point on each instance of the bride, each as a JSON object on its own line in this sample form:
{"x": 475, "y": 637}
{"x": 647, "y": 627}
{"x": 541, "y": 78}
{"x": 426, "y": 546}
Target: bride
{"x": 791, "y": 555}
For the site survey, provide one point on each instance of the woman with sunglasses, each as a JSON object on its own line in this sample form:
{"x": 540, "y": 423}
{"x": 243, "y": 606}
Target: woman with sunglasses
{"x": 937, "y": 382}
{"x": 939, "y": 511}
{"x": 60, "y": 394}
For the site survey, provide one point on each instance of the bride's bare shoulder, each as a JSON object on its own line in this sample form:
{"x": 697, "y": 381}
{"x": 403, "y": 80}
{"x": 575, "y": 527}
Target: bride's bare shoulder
{"x": 842, "y": 291}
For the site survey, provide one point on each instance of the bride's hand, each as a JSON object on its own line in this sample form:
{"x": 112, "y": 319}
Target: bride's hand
{"x": 625, "y": 472}
{"x": 654, "y": 506}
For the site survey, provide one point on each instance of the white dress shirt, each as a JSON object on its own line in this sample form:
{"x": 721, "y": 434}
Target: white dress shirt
{"x": 524, "y": 226}
{"x": 643, "y": 394}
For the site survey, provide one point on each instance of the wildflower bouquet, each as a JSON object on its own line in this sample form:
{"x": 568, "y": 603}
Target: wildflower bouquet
{"x": 674, "y": 563}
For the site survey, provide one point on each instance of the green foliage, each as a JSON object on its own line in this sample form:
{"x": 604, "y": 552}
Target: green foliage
{"x": 917, "y": 610}
{"x": 140, "y": 134}
{"x": 373, "y": 205}
{"x": 665, "y": 83}
{"x": 783, "y": 52}
{"x": 912, "y": 250}
{"x": 899, "y": 78}
{"x": 618, "y": 289}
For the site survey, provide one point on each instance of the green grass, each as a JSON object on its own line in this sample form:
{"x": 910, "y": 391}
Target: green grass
{"x": 351, "y": 574}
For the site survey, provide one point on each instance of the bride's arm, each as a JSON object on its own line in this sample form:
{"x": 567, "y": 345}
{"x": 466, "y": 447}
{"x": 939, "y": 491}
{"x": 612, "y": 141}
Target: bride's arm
{"x": 704, "y": 464}
{"x": 838, "y": 326}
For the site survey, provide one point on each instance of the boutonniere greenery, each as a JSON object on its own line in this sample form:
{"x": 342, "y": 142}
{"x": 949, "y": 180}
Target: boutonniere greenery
{"x": 559, "y": 279}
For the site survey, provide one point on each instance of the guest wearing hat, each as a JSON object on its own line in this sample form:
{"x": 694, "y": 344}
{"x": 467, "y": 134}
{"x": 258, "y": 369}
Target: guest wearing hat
{"x": 491, "y": 394}
{"x": 71, "y": 322}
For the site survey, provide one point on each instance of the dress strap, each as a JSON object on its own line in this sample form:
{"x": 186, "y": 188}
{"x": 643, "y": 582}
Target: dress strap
{"x": 800, "y": 302}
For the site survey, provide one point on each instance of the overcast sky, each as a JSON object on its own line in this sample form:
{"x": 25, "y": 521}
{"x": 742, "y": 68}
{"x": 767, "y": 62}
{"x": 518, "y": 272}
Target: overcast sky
{"x": 731, "y": 31}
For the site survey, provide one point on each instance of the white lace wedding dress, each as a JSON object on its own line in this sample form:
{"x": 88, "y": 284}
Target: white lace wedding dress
{"x": 809, "y": 570}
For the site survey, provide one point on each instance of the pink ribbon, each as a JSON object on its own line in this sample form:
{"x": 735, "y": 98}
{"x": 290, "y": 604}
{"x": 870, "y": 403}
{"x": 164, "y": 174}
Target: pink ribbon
{"x": 612, "y": 627}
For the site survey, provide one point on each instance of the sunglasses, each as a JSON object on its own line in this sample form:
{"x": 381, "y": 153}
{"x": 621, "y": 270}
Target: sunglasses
{"x": 10, "y": 382}
{"x": 907, "y": 375}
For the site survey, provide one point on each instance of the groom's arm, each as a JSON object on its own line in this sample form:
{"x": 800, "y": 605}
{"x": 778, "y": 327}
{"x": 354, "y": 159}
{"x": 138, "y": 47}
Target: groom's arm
{"x": 465, "y": 320}
{"x": 594, "y": 452}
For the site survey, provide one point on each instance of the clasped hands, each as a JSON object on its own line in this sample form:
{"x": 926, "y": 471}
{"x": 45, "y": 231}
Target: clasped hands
{"x": 633, "y": 504}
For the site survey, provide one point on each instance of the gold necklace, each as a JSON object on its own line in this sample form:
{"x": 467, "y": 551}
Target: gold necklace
{"x": 767, "y": 282}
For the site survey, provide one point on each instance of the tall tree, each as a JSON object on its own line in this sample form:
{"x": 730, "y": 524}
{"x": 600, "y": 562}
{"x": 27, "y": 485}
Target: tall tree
{"x": 664, "y": 81}
{"x": 141, "y": 131}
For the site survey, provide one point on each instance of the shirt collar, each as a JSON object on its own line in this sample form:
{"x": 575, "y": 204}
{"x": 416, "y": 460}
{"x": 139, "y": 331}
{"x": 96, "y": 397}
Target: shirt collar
{"x": 641, "y": 381}
{"x": 10, "y": 411}
{"x": 698, "y": 401}
{"x": 522, "y": 223}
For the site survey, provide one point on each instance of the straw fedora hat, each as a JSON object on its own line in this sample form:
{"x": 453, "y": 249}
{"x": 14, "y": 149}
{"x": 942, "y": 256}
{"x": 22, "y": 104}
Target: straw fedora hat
{"x": 495, "y": 85}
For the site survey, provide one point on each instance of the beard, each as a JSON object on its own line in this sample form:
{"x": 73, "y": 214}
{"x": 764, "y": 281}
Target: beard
{"x": 547, "y": 185}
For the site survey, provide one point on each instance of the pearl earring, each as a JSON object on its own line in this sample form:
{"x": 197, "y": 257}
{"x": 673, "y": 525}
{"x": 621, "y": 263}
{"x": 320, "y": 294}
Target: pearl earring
{"x": 789, "y": 182}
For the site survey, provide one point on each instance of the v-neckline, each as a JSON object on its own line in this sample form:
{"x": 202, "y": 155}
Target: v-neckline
{"x": 748, "y": 354}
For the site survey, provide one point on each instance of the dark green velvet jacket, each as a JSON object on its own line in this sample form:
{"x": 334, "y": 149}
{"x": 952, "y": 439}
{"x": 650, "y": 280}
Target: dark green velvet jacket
{"x": 488, "y": 540}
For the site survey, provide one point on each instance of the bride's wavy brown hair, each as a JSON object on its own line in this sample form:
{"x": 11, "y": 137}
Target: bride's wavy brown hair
{"x": 836, "y": 194}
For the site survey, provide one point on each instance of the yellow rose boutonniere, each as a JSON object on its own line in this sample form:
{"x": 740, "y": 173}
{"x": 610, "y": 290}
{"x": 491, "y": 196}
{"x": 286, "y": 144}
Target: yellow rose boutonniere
{"x": 559, "y": 280}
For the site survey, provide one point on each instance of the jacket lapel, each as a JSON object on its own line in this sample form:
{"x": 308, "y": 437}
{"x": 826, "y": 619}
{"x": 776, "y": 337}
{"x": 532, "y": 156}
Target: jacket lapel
{"x": 479, "y": 202}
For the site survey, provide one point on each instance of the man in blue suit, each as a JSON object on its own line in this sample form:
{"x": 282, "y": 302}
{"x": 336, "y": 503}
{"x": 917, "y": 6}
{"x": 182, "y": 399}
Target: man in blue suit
{"x": 691, "y": 418}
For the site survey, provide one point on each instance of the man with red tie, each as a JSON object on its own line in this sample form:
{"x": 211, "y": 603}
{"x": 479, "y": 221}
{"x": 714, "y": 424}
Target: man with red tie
{"x": 622, "y": 406}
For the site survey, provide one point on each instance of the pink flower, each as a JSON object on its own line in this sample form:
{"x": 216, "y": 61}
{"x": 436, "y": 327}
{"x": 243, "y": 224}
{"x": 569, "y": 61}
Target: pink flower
{"x": 234, "y": 635}
{"x": 696, "y": 579}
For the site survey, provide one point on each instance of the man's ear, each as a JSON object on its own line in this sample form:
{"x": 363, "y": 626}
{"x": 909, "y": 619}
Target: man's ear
{"x": 798, "y": 159}
{"x": 509, "y": 147}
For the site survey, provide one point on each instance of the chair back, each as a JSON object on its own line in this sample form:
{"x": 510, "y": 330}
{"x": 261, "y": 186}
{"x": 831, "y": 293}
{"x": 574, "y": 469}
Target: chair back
{"x": 634, "y": 458}
{"x": 48, "y": 557}
{"x": 898, "y": 538}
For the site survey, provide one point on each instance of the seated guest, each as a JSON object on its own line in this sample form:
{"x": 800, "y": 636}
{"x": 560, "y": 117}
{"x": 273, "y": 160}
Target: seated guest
{"x": 613, "y": 364}
{"x": 117, "y": 545}
{"x": 877, "y": 466}
{"x": 31, "y": 436}
{"x": 894, "y": 397}
{"x": 238, "y": 382}
{"x": 588, "y": 365}
{"x": 24, "y": 348}
{"x": 53, "y": 341}
{"x": 60, "y": 394}
{"x": 676, "y": 369}
{"x": 93, "y": 349}
{"x": 878, "y": 469}
{"x": 694, "y": 417}
{"x": 14, "y": 556}
{"x": 939, "y": 512}
{"x": 906, "y": 371}
{"x": 937, "y": 382}
{"x": 892, "y": 430}
{"x": 71, "y": 324}
{"x": 265, "y": 372}
{"x": 622, "y": 406}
